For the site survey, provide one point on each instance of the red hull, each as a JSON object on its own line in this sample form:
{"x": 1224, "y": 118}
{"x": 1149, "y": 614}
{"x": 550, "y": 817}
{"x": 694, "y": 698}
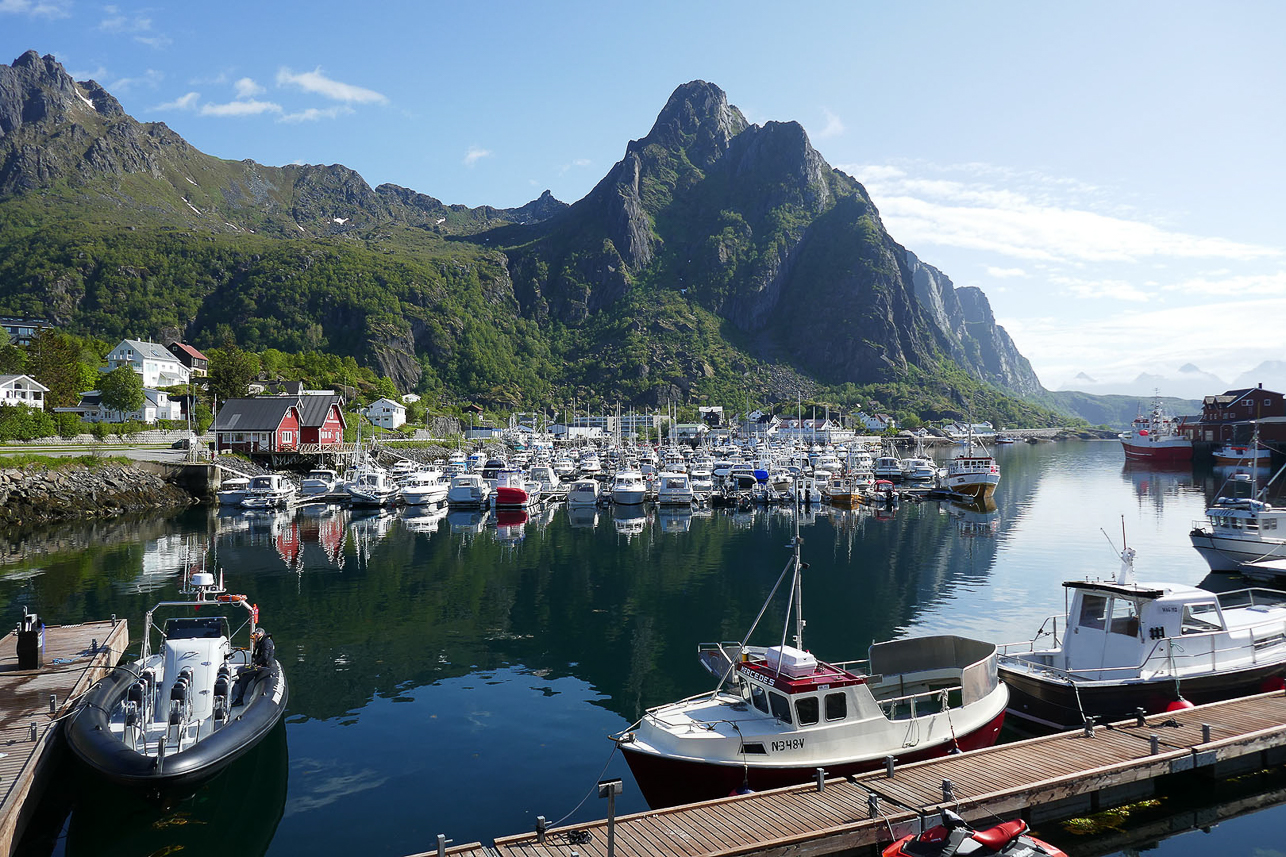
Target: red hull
{"x": 508, "y": 497}
{"x": 1162, "y": 454}
{"x": 670, "y": 782}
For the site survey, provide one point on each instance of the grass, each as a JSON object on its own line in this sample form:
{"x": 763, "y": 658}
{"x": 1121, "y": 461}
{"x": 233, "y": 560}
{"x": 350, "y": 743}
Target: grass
{"x": 31, "y": 461}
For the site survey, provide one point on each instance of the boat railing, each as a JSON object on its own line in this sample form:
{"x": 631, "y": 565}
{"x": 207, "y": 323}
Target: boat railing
{"x": 1048, "y": 628}
{"x": 914, "y": 705}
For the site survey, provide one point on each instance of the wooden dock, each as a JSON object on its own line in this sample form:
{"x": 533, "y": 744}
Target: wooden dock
{"x": 32, "y": 703}
{"x": 1040, "y": 779}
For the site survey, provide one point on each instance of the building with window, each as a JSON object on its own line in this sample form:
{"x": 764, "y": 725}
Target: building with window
{"x": 156, "y": 363}
{"x": 157, "y": 405}
{"x": 386, "y": 413}
{"x": 258, "y": 425}
{"x": 22, "y": 390}
{"x": 22, "y": 330}
{"x": 1231, "y": 417}
{"x": 198, "y": 364}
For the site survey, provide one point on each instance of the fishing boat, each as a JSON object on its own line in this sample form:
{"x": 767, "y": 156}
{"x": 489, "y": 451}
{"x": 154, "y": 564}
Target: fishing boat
{"x": 1241, "y": 531}
{"x": 423, "y": 488}
{"x": 628, "y": 488}
{"x": 1155, "y": 437}
{"x": 778, "y": 713}
{"x": 270, "y": 491}
{"x": 179, "y": 715}
{"x": 371, "y": 487}
{"x": 1129, "y": 645}
{"x": 1243, "y": 455}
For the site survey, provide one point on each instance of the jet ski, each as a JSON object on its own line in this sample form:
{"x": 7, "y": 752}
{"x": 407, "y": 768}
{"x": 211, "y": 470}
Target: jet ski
{"x": 955, "y": 837}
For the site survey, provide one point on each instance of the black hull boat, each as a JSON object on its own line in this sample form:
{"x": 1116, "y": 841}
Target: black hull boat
{"x": 177, "y": 716}
{"x": 1127, "y": 645}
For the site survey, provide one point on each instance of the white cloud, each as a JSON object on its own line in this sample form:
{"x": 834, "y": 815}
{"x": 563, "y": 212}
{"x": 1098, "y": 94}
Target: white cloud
{"x": 580, "y": 163}
{"x": 249, "y": 107}
{"x": 97, "y": 74}
{"x": 1028, "y": 224}
{"x": 40, "y": 9}
{"x": 183, "y": 102}
{"x": 247, "y": 88}
{"x": 312, "y": 114}
{"x": 833, "y": 128}
{"x": 138, "y": 26}
{"x": 1093, "y": 289}
{"x": 475, "y": 154}
{"x": 316, "y": 82}
{"x": 1219, "y": 283}
{"x": 1005, "y": 273}
{"x": 150, "y": 78}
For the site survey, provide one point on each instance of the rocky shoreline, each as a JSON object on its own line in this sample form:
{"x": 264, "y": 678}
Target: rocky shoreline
{"x": 77, "y": 492}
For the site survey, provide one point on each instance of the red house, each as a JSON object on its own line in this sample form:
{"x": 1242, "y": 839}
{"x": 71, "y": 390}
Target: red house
{"x": 1231, "y": 417}
{"x": 259, "y": 425}
{"x": 321, "y": 419}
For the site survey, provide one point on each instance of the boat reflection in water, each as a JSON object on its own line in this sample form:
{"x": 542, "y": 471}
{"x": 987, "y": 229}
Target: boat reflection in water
{"x": 582, "y": 516}
{"x": 629, "y": 520}
{"x": 237, "y": 811}
{"x": 674, "y": 519}
{"x": 511, "y": 526}
{"x": 975, "y": 519}
{"x": 467, "y": 522}
{"x": 424, "y": 520}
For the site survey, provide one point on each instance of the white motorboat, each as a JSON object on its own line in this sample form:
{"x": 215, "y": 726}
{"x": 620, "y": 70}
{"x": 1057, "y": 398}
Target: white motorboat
{"x": 918, "y": 469}
{"x": 887, "y": 467}
{"x": 270, "y": 491}
{"x": 317, "y": 482}
{"x": 583, "y": 493}
{"x": 628, "y": 488}
{"x": 565, "y": 468}
{"x": 424, "y": 487}
{"x": 232, "y": 491}
{"x": 674, "y": 489}
{"x": 1127, "y": 645}
{"x": 514, "y": 490}
{"x": 371, "y": 486}
{"x": 779, "y": 714}
{"x": 1242, "y": 532}
{"x": 468, "y": 491}
{"x": 402, "y": 470}
{"x": 179, "y": 715}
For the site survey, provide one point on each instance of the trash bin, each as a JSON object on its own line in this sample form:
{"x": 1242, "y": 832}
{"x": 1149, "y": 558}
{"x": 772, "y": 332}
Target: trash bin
{"x": 31, "y": 643}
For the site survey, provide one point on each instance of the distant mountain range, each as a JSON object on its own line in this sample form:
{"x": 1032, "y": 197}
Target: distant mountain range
{"x": 717, "y": 258}
{"x": 1187, "y": 382}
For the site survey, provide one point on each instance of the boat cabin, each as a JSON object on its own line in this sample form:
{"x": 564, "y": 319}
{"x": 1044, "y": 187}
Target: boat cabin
{"x": 197, "y": 628}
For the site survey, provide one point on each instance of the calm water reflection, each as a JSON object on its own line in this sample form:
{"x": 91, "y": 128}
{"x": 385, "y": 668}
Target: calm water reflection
{"x": 457, "y": 673}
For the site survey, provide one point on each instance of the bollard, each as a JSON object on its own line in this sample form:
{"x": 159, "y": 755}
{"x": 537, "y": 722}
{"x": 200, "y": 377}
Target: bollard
{"x": 1140, "y": 717}
{"x": 442, "y": 845}
{"x": 541, "y": 827}
{"x": 889, "y": 764}
{"x": 93, "y": 645}
{"x": 32, "y": 733}
{"x": 53, "y": 703}
{"x": 821, "y": 779}
{"x": 873, "y": 804}
{"x": 113, "y": 620}
{"x": 610, "y": 789}
{"x": 1156, "y": 743}
{"x": 948, "y": 791}
{"x": 1205, "y": 733}
{"x": 1089, "y": 726}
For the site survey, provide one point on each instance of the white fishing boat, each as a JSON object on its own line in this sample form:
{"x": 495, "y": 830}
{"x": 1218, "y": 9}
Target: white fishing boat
{"x": 974, "y": 473}
{"x": 778, "y": 713}
{"x": 179, "y": 715}
{"x": 1126, "y": 645}
{"x": 628, "y": 488}
{"x": 269, "y": 491}
{"x": 424, "y": 487}
{"x": 1242, "y": 531}
{"x": 468, "y": 491}
{"x": 318, "y": 482}
{"x": 233, "y": 490}
{"x": 371, "y": 487}
{"x": 674, "y": 489}
{"x": 584, "y": 493}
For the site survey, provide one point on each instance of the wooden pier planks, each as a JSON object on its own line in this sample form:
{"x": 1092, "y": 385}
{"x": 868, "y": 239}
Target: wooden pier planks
{"x": 70, "y": 668}
{"x": 801, "y": 822}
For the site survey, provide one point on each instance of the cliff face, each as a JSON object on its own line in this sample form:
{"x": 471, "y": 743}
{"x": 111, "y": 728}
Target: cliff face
{"x": 975, "y": 341}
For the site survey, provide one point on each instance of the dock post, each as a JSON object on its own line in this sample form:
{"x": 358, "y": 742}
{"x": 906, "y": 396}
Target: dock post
{"x": 1156, "y": 743}
{"x": 1205, "y": 733}
{"x": 32, "y": 733}
{"x": 873, "y": 804}
{"x": 541, "y": 827}
{"x": 821, "y": 779}
{"x": 442, "y": 845}
{"x": 889, "y": 764}
{"x": 610, "y": 789}
{"x": 53, "y": 703}
{"x": 948, "y": 791}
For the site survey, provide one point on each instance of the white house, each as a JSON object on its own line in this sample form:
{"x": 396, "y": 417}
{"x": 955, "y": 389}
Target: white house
{"x": 156, "y": 363}
{"x": 22, "y": 390}
{"x": 410, "y": 398}
{"x": 386, "y": 413}
{"x": 877, "y": 422}
{"x": 157, "y": 405}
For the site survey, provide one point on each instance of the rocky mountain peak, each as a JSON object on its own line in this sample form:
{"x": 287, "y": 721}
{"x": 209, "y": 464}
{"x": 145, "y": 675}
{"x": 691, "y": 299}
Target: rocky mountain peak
{"x": 36, "y": 88}
{"x": 697, "y": 118}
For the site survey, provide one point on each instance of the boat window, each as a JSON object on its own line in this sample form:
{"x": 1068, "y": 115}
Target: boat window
{"x": 807, "y": 710}
{"x": 780, "y": 707}
{"x": 1093, "y": 608}
{"x": 1269, "y": 523}
{"x": 759, "y": 698}
{"x": 1200, "y": 618}
{"x": 836, "y": 706}
{"x": 1125, "y": 619}
{"x": 210, "y": 628}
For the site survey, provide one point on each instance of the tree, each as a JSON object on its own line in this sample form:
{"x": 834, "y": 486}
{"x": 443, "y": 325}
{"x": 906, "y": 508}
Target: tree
{"x": 122, "y": 390}
{"x": 231, "y": 371}
{"x": 52, "y": 359}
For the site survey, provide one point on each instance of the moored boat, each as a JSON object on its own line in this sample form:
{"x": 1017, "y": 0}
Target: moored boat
{"x": 628, "y": 488}
{"x": 468, "y": 491}
{"x": 514, "y": 491}
{"x": 674, "y": 489}
{"x": 318, "y": 482}
{"x": 778, "y": 713}
{"x": 233, "y": 490}
{"x": 179, "y": 715}
{"x": 583, "y": 493}
{"x": 423, "y": 488}
{"x": 270, "y": 491}
{"x": 1127, "y": 645}
{"x": 1241, "y": 531}
{"x": 1155, "y": 437}
{"x": 371, "y": 487}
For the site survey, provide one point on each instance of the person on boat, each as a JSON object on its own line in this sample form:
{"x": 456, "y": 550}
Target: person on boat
{"x": 262, "y": 653}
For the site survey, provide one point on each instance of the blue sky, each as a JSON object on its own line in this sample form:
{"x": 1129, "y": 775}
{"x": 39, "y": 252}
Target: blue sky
{"x": 1109, "y": 174}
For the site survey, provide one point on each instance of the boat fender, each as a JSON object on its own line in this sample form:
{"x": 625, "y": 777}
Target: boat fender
{"x": 1179, "y": 704}
{"x": 1272, "y": 683}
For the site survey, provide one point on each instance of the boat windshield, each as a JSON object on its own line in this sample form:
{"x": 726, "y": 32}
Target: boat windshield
{"x": 199, "y": 628}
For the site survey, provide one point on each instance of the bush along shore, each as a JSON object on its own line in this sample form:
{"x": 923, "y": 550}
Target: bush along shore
{"x": 34, "y": 494}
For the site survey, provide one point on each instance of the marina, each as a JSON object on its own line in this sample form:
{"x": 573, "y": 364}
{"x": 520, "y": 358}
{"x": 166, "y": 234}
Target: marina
{"x": 504, "y": 653}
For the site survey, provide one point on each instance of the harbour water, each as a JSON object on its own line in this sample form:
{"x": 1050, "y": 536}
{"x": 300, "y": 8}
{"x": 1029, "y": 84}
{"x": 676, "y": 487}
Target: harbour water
{"x": 456, "y": 674}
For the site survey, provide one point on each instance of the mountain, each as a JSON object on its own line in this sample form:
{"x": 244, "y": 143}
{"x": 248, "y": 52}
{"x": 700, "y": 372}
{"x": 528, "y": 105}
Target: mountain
{"x": 716, "y": 258}
{"x": 1270, "y": 373}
